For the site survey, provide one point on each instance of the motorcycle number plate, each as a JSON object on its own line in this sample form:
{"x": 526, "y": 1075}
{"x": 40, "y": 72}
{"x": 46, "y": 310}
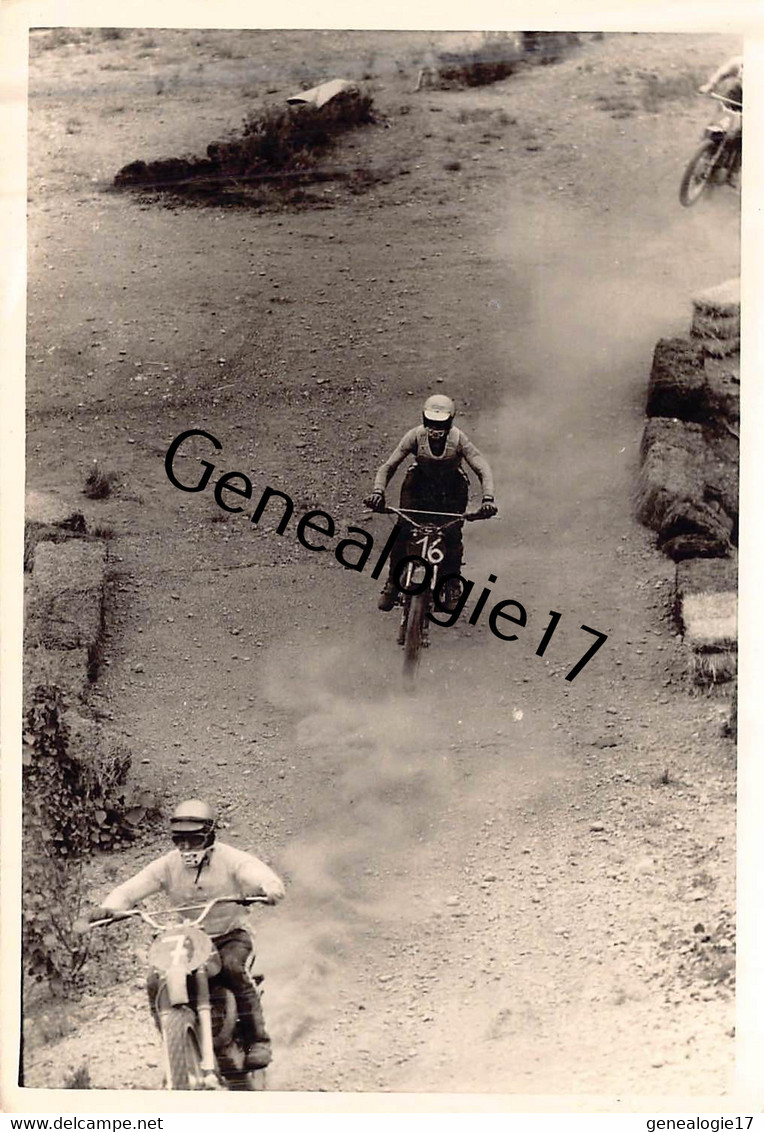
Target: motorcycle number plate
{"x": 185, "y": 947}
{"x": 429, "y": 547}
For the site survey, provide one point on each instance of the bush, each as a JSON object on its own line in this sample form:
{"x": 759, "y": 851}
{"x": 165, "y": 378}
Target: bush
{"x": 75, "y": 800}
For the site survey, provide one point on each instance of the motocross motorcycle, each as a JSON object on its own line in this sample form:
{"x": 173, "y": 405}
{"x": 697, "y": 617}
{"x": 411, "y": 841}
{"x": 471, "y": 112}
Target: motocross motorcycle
{"x": 197, "y": 1015}
{"x": 715, "y": 160}
{"x": 427, "y": 544}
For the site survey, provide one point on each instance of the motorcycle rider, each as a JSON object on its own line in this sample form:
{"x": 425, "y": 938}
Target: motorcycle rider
{"x": 197, "y": 869}
{"x": 435, "y": 480}
{"x": 730, "y": 74}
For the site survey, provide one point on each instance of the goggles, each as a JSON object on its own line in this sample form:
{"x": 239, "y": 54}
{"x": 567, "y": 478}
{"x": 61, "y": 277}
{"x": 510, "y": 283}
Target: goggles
{"x": 187, "y": 839}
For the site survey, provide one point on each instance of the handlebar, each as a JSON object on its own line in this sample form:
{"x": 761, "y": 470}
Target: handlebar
{"x": 725, "y": 100}
{"x": 454, "y": 516}
{"x": 83, "y": 926}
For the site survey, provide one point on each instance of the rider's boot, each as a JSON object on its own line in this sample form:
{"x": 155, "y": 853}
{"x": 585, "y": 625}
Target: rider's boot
{"x": 254, "y": 1036}
{"x": 452, "y": 595}
{"x": 387, "y": 597}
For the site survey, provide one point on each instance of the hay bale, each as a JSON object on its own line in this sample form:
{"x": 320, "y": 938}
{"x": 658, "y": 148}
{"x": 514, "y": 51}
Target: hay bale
{"x": 66, "y": 669}
{"x": 722, "y": 347}
{"x": 722, "y": 389}
{"x": 716, "y": 318}
{"x": 677, "y": 381}
{"x": 715, "y": 326}
{"x": 678, "y": 494}
{"x": 706, "y": 575}
{"x": 722, "y": 300}
{"x": 722, "y": 471}
{"x": 66, "y": 603}
{"x": 707, "y": 669}
{"x": 47, "y": 507}
{"x": 709, "y": 620}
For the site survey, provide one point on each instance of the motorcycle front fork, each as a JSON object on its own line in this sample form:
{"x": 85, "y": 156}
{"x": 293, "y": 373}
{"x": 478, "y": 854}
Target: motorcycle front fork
{"x": 403, "y": 623}
{"x": 204, "y": 1013}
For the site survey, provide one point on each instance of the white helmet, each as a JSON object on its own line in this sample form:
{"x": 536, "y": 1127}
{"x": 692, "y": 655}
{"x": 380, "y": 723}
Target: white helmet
{"x": 438, "y": 412}
{"x": 192, "y": 828}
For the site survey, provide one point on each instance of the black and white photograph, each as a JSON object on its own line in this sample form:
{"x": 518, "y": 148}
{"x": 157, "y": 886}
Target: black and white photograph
{"x": 378, "y": 726}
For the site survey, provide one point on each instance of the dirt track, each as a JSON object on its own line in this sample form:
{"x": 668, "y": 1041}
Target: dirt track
{"x": 490, "y": 886}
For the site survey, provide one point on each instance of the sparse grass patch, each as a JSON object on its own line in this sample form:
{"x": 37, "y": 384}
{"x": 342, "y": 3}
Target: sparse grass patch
{"x": 657, "y": 89}
{"x": 57, "y": 37}
{"x": 113, "y": 33}
{"x": 619, "y": 105}
{"x": 54, "y": 1026}
{"x": 73, "y": 126}
{"x": 78, "y": 1078}
{"x": 98, "y": 484}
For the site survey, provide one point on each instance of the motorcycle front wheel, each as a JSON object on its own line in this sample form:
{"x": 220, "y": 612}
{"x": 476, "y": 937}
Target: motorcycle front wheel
{"x": 412, "y": 646}
{"x": 182, "y": 1053}
{"x": 699, "y": 171}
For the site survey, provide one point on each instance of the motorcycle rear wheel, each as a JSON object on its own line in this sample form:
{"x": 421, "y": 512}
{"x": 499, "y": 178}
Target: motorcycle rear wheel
{"x": 699, "y": 171}
{"x": 412, "y": 646}
{"x": 183, "y": 1055}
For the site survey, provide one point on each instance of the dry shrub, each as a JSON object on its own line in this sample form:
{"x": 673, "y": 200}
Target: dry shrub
{"x": 79, "y": 1078}
{"x": 98, "y": 484}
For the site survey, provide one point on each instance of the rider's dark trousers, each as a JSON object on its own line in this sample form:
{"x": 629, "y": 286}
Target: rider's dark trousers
{"x": 448, "y": 490}
{"x": 234, "y": 948}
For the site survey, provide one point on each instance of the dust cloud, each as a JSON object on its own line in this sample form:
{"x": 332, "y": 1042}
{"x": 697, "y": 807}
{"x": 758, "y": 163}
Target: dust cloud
{"x": 391, "y": 771}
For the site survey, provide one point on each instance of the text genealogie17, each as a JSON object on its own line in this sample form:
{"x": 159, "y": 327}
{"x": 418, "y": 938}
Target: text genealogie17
{"x": 354, "y": 553}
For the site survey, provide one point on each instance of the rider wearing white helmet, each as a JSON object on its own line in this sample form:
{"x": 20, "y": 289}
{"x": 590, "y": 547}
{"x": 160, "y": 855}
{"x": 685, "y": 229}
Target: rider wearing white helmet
{"x": 435, "y": 480}
{"x": 196, "y": 870}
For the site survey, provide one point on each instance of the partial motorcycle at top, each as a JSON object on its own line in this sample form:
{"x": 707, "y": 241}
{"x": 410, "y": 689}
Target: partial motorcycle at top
{"x": 717, "y": 159}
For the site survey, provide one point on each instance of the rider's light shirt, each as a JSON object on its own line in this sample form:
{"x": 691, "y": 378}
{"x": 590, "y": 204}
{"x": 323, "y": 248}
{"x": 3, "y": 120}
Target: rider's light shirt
{"x": 227, "y": 872}
{"x": 457, "y": 448}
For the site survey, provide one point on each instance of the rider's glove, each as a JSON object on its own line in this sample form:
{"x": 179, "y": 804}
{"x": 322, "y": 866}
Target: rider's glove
{"x": 260, "y": 896}
{"x": 101, "y": 914}
{"x": 487, "y": 508}
{"x": 705, "y": 89}
{"x": 376, "y": 500}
